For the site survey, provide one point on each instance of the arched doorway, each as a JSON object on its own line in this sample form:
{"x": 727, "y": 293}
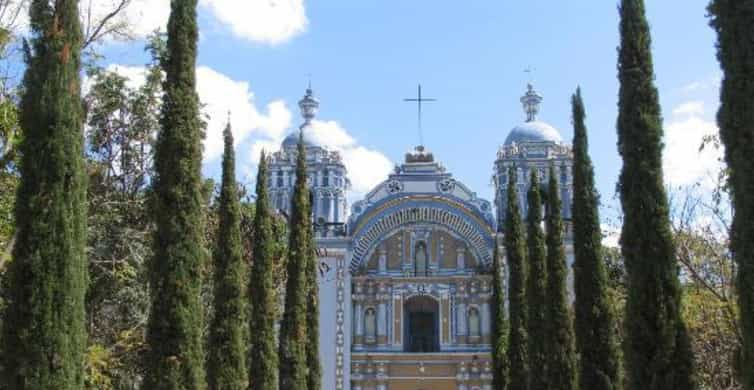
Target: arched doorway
{"x": 421, "y": 329}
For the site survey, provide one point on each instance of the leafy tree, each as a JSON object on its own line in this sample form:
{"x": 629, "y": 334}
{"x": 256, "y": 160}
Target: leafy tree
{"x": 175, "y": 357}
{"x": 264, "y": 355}
{"x": 499, "y": 323}
{"x": 517, "y": 311}
{"x": 44, "y": 333}
{"x": 658, "y": 353}
{"x": 733, "y": 20}
{"x": 560, "y": 347}
{"x": 226, "y": 368}
{"x": 536, "y": 287}
{"x": 701, "y": 227}
{"x": 599, "y": 367}
{"x": 293, "y": 329}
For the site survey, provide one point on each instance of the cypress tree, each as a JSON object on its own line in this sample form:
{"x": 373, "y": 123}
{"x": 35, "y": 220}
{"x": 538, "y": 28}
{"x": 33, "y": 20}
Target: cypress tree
{"x": 175, "y": 356}
{"x": 314, "y": 375}
{"x": 658, "y": 353}
{"x": 264, "y": 358}
{"x": 599, "y": 367}
{"x": 44, "y": 337}
{"x": 515, "y": 251}
{"x": 561, "y": 354}
{"x": 536, "y": 284}
{"x": 227, "y": 348}
{"x": 293, "y": 328}
{"x": 733, "y": 20}
{"x": 499, "y": 323}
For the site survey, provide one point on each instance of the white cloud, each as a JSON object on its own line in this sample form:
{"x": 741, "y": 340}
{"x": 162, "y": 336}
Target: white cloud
{"x": 143, "y": 16}
{"x": 220, "y": 94}
{"x": 712, "y": 82}
{"x": 684, "y": 162}
{"x": 266, "y": 21}
{"x": 366, "y": 167}
{"x": 256, "y": 129}
{"x": 689, "y": 108}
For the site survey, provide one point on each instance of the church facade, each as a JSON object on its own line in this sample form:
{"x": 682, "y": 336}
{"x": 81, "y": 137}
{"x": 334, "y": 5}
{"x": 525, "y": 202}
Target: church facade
{"x": 405, "y": 292}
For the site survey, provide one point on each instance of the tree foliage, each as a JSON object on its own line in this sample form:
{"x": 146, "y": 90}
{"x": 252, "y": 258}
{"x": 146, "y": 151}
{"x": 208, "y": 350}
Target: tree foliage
{"x": 44, "y": 332}
{"x": 733, "y": 20}
{"x": 293, "y": 374}
{"x": 226, "y": 369}
{"x": 264, "y": 354}
{"x": 515, "y": 247}
{"x": 536, "y": 287}
{"x": 560, "y": 347}
{"x": 599, "y": 367}
{"x": 658, "y": 354}
{"x": 175, "y": 354}
{"x": 499, "y": 322}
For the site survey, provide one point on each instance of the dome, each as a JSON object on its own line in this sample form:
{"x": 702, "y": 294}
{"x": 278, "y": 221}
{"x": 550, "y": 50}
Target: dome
{"x": 534, "y": 131}
{"x": 291, "y": 141}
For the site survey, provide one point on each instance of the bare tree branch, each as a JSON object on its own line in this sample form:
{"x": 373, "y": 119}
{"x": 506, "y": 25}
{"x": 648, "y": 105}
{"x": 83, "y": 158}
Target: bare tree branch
{"x": 95, "y": 30}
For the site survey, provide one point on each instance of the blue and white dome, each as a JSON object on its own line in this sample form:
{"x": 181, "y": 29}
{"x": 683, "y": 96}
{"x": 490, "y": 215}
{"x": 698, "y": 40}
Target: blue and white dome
{"x": 535, "y": 131}
{"x": 291, "y": 141}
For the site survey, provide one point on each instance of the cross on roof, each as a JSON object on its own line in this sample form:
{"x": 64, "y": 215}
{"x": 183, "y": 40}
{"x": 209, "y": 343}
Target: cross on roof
{"x": 419, "y": 100}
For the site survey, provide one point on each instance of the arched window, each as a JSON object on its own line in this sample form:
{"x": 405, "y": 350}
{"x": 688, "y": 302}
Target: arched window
{"x": 420, "y": 259}
{"x": 474, "y": 323}
{"x": 370, "y": 325}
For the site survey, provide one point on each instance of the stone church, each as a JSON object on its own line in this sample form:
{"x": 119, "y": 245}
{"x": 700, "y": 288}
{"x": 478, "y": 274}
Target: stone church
{"x": 406, "y": 287}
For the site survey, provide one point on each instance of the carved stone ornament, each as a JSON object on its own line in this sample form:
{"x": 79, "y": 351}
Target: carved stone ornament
{"x": 446, "y": 185}
{"x": 394, "y": 186}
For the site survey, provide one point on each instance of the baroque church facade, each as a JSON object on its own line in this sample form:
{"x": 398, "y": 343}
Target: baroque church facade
{"x": 405, "y": 292}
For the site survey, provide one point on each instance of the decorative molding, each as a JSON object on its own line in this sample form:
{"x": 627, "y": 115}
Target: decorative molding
{"x": 340, "y": 334}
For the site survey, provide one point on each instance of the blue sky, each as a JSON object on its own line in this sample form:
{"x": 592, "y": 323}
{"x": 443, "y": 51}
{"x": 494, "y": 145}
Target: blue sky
{"x": 365, "y": 56}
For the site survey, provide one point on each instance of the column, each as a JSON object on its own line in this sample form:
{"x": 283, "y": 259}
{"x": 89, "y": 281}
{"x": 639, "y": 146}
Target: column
{"x": 381, "y": 322}
{"x": 382, "y": 261}
{"x": 358, "y": 319}
{"x": 461, "y": 328}
{"x": 486, "y": 320}
{"x": 331, "y": 217}
{"x": 461, "y": 258}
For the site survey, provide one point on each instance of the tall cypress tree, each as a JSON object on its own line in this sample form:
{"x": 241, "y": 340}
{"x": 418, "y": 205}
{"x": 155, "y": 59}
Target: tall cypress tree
{"x": 536, "y": 284}
{"x": 733, "y": 21}
{"x": 518, "y": 363}
{"x": 314, "y": 375}
{"x": 561, "y": 353}
{"x": 44, "y": 337}
{"x": 658, "y": 353}
{"x": 499, "y": 323}
{"x": 264, "y": 356}
{"x": 175, "y": 358}
{"x": 293, "y": 328}
{"x": 599, "y": 367}
{"x": 227, "y": 348}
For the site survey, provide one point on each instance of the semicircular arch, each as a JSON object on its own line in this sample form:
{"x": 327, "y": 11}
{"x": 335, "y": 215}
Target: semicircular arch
{"x": 399, "y": 213}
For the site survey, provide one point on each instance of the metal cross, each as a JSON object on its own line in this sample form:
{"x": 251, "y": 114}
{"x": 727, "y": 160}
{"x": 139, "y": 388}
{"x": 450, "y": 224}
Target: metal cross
{"x": 419, "y": 100}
